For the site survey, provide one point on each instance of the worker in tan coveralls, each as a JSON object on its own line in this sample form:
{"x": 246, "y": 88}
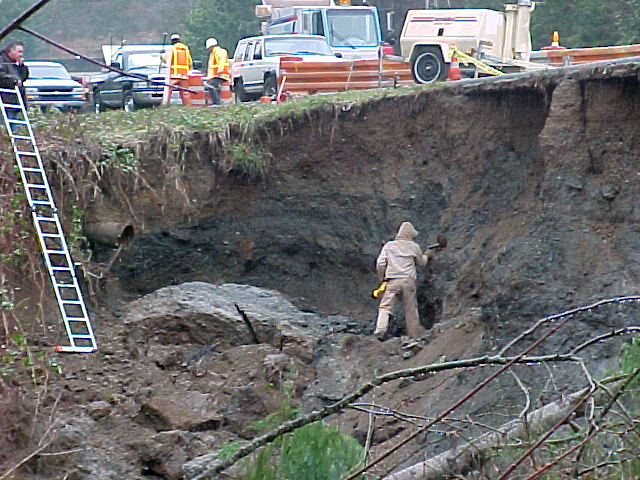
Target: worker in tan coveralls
{"x": 397, "y": 264}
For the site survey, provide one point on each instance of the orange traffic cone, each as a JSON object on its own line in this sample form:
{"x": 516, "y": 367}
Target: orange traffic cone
{"x": 454, "y": 66}
{"x": 555, "y": 42}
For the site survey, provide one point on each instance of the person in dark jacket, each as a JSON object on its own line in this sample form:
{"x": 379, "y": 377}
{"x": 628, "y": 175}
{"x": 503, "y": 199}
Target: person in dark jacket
{"x": 13, "y": 72}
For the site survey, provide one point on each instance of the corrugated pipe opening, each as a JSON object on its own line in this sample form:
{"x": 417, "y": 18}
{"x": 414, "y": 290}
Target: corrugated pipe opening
{"x": 113, "y": 234}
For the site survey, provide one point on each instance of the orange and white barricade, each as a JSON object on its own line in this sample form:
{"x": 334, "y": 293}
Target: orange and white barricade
{"x": 196, "y": 85}
{"x": 226, "y": 97}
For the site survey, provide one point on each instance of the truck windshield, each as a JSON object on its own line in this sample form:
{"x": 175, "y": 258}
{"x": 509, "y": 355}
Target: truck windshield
{"x": 352, "y": 28}
{"x": 49, "y": 72}
{"x": 296, "y": 46}
{"x": 147, "y": 59}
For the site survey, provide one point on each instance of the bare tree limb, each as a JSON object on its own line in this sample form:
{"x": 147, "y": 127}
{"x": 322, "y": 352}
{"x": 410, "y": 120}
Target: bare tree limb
{"x": 605, "y": 336}
{"x": 25, "y": 15}
{"x": 441, "y": 466}
{"x": 212, "y": 465}
{"x": 573, "y": 311}
{"x": 462, "y": 400}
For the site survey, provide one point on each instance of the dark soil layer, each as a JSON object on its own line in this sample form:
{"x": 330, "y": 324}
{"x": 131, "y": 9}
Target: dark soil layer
{"x": 535, "y": 185}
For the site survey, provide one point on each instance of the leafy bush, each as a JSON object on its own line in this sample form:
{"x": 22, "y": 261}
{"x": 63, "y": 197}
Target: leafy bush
{"x": 313, "y": 452}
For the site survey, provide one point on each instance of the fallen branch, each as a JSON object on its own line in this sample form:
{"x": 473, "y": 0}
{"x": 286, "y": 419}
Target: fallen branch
{"x": 457, "y": 459}
{"x": 209, "y": 465}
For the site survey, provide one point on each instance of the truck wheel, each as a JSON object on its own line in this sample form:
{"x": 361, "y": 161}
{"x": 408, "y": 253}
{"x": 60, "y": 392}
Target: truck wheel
{"x": 128, "y": 103}
{"x": 429, "y": 66}
{"x": 270, "y": 86}
{"x": 98, "y": 106}
{"x": 241, "y": 95}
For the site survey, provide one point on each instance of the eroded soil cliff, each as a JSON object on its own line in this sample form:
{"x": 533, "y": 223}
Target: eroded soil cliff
{"x": 535, "y": 182}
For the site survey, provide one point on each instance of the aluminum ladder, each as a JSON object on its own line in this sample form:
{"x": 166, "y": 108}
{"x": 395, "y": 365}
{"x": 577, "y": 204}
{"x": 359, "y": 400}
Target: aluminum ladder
{"x": 55, "y": 251}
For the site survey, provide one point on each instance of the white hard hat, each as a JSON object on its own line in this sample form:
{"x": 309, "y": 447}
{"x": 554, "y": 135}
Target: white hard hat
{"x": 175, "y": 36}
{"x": 211, "y": 42}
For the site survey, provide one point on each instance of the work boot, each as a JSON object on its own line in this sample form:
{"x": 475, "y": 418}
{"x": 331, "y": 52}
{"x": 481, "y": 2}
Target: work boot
{"x": 380, "y": 335}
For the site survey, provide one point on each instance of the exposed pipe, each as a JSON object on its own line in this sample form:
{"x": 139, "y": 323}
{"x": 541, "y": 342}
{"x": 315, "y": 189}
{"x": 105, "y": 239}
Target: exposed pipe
{"x": 113, "y": 234}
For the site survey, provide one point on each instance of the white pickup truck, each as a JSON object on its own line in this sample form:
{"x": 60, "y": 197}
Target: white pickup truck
{"x": 256, "y": 61}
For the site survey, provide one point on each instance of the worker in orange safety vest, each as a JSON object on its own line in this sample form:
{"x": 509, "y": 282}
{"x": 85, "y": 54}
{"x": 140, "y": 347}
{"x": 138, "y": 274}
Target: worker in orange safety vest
{"x": 179, "y": 62}
{"x": 218, "y": 68}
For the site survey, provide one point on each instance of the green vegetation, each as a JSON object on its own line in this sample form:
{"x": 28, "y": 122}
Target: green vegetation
{"x": 93, "y": 23}
{"x": 593, "y": 22}
{"x": 314, "y": 452}
{"x": 88, "y": 24}
{"x": 117, "y": 127}
{"x": 227, "y": 21}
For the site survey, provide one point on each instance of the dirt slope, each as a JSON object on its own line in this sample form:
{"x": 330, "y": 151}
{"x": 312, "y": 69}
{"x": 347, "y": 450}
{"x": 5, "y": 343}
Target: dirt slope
{"x": 534, "y": 184}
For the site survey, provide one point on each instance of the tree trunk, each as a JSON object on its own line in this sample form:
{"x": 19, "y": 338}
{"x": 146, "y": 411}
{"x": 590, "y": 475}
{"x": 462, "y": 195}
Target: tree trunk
{"x": 458, "y": 459}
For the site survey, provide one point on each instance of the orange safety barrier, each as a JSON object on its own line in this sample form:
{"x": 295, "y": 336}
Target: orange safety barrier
{"x": 578, "y": 56}
{"x": 196, "y": 85}
{"x": 312, "y": 77}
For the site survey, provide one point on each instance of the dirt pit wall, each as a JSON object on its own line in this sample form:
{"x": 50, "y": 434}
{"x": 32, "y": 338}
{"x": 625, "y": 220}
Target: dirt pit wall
{"x": 534, "y": 183}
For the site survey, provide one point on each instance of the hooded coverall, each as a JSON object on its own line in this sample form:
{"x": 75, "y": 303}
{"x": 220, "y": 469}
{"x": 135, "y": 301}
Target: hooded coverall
{"x": 397, "y": 263}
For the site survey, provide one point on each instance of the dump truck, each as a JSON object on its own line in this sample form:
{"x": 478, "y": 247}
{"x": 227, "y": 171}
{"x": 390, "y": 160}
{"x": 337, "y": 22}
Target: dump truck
{"x": 352, "y": 31}
{"x": 497, "y": 39}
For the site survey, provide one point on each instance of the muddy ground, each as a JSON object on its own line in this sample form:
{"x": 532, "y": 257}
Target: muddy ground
{"x": 534, "y": 181}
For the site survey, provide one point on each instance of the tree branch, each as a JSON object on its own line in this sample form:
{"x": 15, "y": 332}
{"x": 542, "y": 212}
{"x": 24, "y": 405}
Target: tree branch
{"x": 217, "y": 465}
{"x": 573, "y": 311}
{"x": 25, "y": 15}
{"x": 455, "y": 460}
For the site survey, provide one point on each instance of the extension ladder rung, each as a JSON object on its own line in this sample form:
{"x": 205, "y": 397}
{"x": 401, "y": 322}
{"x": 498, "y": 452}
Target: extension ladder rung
{"x": 63, "y": 277}
{"x": 64, "y": 349}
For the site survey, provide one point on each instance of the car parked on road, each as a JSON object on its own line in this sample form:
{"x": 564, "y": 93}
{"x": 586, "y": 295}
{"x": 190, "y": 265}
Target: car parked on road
{"x": 114, "y": 90}
{"x": 256, "y": 61}
{"x": 50, "y": 86}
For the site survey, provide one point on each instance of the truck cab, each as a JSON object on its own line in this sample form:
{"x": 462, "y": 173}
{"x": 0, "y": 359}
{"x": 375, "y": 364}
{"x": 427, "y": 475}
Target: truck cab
{"x": 352, "y": 31}
{"x": 114, "y": 90}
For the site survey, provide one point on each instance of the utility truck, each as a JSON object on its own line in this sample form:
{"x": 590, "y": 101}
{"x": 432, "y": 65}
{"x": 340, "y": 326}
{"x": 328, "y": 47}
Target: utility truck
{"x": 497, "y": 39}
{"x": 352, "y": 31}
